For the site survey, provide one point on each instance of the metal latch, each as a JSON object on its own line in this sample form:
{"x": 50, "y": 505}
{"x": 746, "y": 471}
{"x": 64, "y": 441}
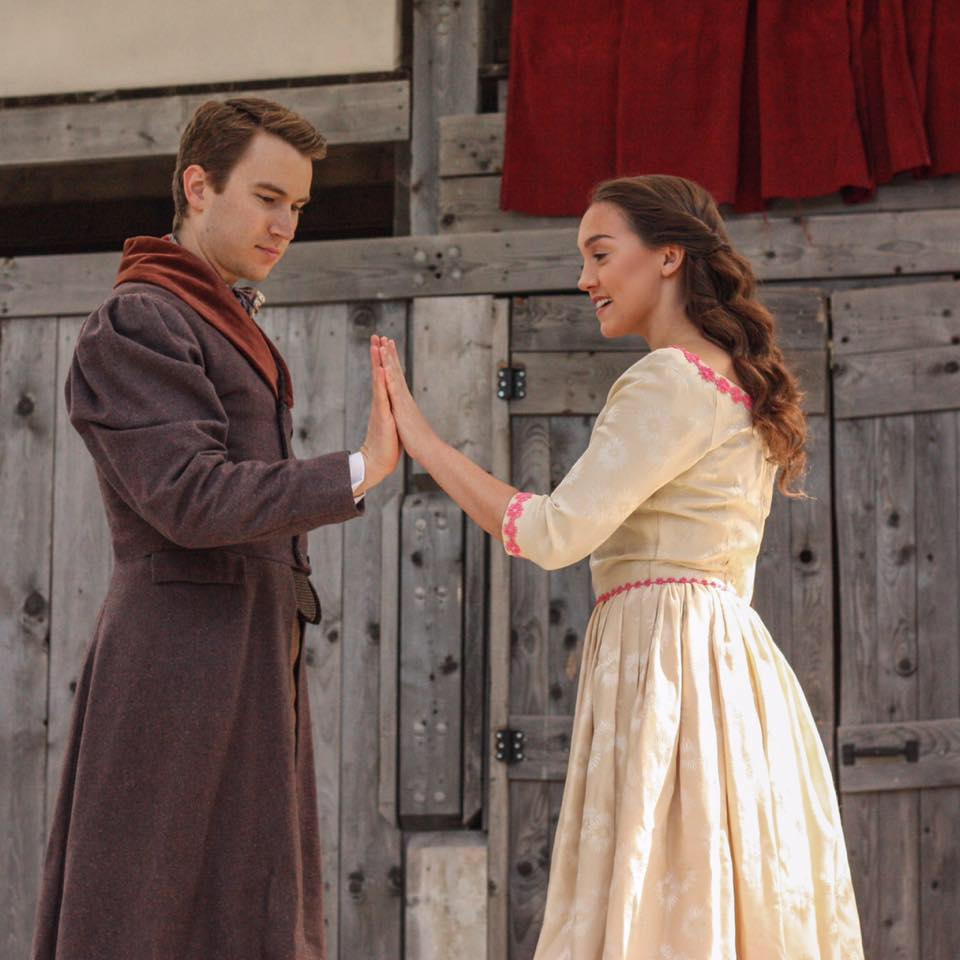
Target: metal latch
{"x": 512, "y": 383}
{"x": 509, "y": 745}
{"x": 850, "y": 751}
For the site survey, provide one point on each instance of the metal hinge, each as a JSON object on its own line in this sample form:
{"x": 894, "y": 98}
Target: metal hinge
{"x": 850, "y": 751}
{"x": 509, "y": 745}
{"x": 512, "y": 383}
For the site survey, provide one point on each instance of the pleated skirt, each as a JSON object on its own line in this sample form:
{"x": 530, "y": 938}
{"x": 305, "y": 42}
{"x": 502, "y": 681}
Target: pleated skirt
{"x": 699, "y": 818}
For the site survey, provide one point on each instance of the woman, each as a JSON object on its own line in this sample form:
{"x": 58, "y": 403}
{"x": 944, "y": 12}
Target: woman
{"x": 699, "y": 818}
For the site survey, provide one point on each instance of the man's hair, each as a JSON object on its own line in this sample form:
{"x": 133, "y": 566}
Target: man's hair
{"x": 220, "y": 131}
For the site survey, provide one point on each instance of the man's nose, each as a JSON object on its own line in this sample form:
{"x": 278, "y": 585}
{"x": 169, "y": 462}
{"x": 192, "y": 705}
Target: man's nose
{"x": 284, "y": 224}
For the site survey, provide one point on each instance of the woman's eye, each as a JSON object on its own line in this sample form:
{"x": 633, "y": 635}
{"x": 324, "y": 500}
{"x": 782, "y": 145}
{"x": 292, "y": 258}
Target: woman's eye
{"x": 599, "y": 257}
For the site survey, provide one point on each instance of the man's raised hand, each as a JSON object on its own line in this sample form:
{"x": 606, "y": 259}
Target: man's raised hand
{"x": 381, "y": 448}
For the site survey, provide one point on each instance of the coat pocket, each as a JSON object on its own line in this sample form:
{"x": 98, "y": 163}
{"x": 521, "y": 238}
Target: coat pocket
{"x": 197, "y": 566}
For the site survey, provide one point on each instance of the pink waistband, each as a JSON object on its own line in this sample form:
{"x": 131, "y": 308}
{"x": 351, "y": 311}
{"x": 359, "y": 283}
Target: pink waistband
{"x": 661, "y": 581}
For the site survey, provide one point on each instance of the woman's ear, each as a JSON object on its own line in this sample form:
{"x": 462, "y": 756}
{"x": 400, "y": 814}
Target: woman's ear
{"x": 671, "y": 260}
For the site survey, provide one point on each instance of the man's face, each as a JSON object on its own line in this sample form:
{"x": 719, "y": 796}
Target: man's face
{"x": 246, "y": 229}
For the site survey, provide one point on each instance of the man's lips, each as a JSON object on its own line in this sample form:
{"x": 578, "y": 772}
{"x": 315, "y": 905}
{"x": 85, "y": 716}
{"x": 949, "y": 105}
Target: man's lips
{"x": 270, "y": 251}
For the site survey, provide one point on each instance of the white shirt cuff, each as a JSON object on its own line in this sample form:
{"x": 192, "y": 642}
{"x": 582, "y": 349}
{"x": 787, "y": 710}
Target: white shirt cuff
{"x": 358, "y": 471}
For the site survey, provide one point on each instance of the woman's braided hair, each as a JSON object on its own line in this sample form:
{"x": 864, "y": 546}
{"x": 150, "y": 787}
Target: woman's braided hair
{"x": 721, "y": 300}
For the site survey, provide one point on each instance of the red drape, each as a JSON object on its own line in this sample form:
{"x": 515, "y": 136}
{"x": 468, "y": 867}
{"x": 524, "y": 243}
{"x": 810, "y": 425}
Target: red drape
{"x": 755, "y": 99}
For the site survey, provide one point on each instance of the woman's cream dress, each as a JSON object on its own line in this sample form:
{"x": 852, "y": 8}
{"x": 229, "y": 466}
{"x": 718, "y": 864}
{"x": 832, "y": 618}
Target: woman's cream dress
{"x": 699, "y": 818}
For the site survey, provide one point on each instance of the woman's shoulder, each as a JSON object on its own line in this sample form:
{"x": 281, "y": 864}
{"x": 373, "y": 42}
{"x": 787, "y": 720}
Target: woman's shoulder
{"x": 686, "y": 370}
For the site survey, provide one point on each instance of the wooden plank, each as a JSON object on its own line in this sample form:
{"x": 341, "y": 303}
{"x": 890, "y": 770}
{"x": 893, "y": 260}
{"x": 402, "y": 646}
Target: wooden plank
{"x": 773, "y": 590}
{"x": 903, "y": 317}
{"x": 530, "y": 809}
{"x": 529, "y": 592}
{"x": 474, "y": 682}
{"x": 569, "y": 322}
{"x": 571, "y": 595}
{"x": 389, "y": 656}
{"x": 890, "y": 682}
{"x": 880, "y": 832}
{"x": 151, "y": 126}
{"x": 431, "y": 652}
{"x": 30, "y": 388}
{"x": 938, "y": 675}
{"x": 370, "y": 856}
{"x": 901, "y": 381}
{"x": 518, "y": 261}
{"x": 855, "y": 458}
{"x": 811, "y": 569}
{"x": 497, "y": 809}
{"x": 445, "y": 896}
{"x": 471, "y": 144}
{"x": 578, "y": 382}
{"x": 445, "y": 81}
{"x": 472, "y": 205}
{"x": 546, "y": 746}
{"x": 79, "y": 530}
{"x": 451, "y": 377}
{"x": 313, "y": 340}
{"x": 938, "y": 763}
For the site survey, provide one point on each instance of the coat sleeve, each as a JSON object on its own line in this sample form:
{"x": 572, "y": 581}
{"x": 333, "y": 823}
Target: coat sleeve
{"x": 138, "y": 394}
{"x": 658, "y": 421}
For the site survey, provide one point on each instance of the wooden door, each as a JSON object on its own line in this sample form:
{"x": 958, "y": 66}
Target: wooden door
{"x": 896, "y": 380}
{"x": 538, "y": 618}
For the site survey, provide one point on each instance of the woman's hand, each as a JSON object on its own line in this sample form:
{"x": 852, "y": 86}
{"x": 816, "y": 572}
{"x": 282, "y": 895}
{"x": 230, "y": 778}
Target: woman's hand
{"x": 416, "y": 434}
{"x": 381, "y": 448}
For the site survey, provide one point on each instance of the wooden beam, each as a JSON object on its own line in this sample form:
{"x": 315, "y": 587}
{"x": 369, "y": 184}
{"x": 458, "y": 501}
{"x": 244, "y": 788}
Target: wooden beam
{"x": 445, "y": 81}
{"x": 523, "y": 261}
{"x": 879, "y": 319}
{"x": 151, "y": 126}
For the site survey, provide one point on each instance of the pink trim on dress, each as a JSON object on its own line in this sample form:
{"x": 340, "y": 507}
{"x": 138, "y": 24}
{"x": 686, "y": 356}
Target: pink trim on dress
{"x": 720, "y": 382}
{"x": 658, "y": 581}
{"x": 513, "y": 513}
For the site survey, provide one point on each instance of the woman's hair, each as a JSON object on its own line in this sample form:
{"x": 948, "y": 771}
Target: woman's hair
{"x": 720, "y": 288}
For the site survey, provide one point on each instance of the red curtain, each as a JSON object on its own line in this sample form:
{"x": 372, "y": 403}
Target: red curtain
{"x": 755, "y": 99}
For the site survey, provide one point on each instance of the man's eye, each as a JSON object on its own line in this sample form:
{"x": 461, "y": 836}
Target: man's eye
{"x": 266, "y": 199}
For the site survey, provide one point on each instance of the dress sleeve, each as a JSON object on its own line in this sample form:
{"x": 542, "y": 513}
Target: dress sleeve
{"x": 138, "y": 394}
{"x": 658, "y": 421}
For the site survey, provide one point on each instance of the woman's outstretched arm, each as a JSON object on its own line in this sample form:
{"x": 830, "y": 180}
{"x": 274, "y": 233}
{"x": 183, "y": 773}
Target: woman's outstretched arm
{"x": 480, "y": 495}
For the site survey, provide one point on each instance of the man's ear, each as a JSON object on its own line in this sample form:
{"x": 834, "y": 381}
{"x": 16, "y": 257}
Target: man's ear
{"x": 195, "y": 186}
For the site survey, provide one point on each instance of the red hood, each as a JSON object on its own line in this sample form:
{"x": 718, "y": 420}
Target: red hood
{"x": 169, "y": 265}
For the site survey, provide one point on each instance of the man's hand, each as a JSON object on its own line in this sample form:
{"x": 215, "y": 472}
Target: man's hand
{"x": 381, "y": 448}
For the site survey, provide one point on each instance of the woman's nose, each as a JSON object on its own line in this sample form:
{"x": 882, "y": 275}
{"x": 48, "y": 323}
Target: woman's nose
{"x": 585, "y": 282}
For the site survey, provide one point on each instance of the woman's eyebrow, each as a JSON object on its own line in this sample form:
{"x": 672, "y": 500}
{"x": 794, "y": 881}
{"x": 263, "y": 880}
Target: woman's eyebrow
{"x": 596, "y": 237}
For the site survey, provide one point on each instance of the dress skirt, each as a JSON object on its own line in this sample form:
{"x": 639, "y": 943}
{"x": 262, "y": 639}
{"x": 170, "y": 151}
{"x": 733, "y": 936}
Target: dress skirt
{"x": 699, "y": 818}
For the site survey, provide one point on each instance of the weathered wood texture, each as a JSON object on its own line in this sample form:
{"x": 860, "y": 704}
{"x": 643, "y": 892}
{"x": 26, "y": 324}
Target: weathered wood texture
{"x": 313, "y": 340}
{"x": 451, "y": 377}
{"x": 28, "y": 386}
{"x": 431, "y": 659}
{"x": 389, "y": 657}
{"x": 517, "y": 261}
{"x": 151, "y": 126}
{"x": 370, "y": 854}
{"x": 445, "y": 81}
{"x": 79, "y": 530}
{"x": 445, "y": 896}
{"x": 898, "y": 525}
{"x": 497, "y": 807}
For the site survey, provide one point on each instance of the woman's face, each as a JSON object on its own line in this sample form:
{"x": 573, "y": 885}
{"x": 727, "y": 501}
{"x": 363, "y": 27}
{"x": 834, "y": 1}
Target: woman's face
{"x": 623, "y": 277}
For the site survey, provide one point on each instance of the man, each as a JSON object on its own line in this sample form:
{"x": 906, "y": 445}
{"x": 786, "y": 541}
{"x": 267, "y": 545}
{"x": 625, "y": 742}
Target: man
{"x": 186, "y": 825}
